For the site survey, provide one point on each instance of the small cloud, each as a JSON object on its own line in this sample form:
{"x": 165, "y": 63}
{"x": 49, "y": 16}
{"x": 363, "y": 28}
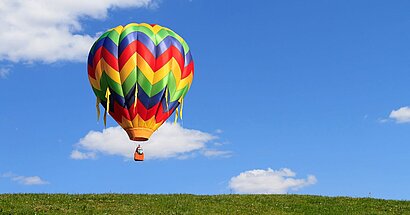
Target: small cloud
{"x": 170, "y": 141}
{"x": 218, "y": 144}
{"x": 77, "y": 155}
{"x": 217, "y": 153}
{"x": 401, "y": 115}
{"x": 25, "y": 180}
{"x": 4, "y": 72}
{"x": 219, "y": 131}
{"x": 269, "y": 181}
{"x": 186, "y": 156}
{"x": 383, "y": 120}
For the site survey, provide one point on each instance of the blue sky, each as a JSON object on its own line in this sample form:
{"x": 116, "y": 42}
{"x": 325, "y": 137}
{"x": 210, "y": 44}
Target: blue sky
{"x": 318, "y": 87}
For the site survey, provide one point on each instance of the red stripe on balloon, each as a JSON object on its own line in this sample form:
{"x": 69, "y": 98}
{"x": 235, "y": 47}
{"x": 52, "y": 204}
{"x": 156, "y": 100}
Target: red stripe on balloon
{"x": 127, "y": 53}
{"x": 97, "y": 57}
{"x": 119, "y": 112}
{"x": 163, "y": 115}
{"x": 110, "y": 59}
{"x": 144, "y": 113}
{"x": 91, "y": 72}
{"x": 146, "y": 54}
{"x": 171, "y": 52}
{"x": 141, "y": 49}
{"x": 188, "y": 70}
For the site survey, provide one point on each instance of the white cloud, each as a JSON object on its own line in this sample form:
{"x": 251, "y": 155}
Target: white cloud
{"x": 49, "y": 30}
{"x": 216, "y": 153}
{"x": 77, "y": 155}
{"x": 25, "y": 180}
{"x": 383, "y": 120}
{"x": 4, "y": 72}
{"x": 401, "y": 115}
{"x": 170, "y": 140}
{"x": 268, "y": 181}
{"x": 219, "y": 131}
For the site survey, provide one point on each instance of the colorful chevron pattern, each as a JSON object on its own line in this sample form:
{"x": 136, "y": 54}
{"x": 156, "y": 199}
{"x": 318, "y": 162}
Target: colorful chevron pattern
{"x": 140, "y": 74}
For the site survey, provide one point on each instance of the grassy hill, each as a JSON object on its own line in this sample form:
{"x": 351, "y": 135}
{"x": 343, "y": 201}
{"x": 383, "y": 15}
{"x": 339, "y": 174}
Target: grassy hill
{"x": 195, "y": 204}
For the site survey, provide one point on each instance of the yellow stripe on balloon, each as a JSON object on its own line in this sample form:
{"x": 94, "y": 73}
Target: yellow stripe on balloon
{"x": 125, "y": 123}
{"x": 151, "y": 123}
{"x": 141, "y": 122}
{"x": 156, "y": 28}
{"x": 135, "y": 121}
{"x": 176, "y": 71}
{"x": 145, "y": 69}
{"x": 118, "y": 29}
{"x": 98, "y": 73}
{"x": 186, "y": 81}
{"x": 130, "y": 25}
{"x": 128, "y": 67}
{"x": 155, "y": 77}
{"x": 147, "y": 26}
{"x": 94, "y": 83}
{"x": 157, "y": 125}
{"x": 111, "y": 72}
{"x": 173, "y": 66}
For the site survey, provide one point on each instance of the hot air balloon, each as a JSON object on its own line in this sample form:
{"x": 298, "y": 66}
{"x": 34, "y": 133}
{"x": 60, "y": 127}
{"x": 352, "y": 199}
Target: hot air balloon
{"x": 140, "y": 74}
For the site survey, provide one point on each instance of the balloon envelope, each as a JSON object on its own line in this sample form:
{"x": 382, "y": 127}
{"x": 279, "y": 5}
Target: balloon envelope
{"x": 140, "y": 74}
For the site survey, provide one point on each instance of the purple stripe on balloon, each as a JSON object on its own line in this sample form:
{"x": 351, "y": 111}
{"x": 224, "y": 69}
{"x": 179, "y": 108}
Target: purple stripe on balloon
{"x": 111, "y": 47}
{"x": 95, "y": 47}
{"x": 188, "y": 58}
{"x": 156, "y": 51}
{"x": 90, "y": 59}
{"x": 148, "y": 101}
{"x": 143, "y": 38}
{"x": 171, "y": 106}
{"x": 131, "y": 37}
{"x": 166, "y": 43}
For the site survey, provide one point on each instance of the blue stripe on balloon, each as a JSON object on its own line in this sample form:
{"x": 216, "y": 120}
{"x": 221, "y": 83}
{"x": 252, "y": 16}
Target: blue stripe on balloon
{"x": 140, "y": 36}
{"x": 95, "y": 47}
{"x": 130, "y": 98}
{"x": 119, "y": 99}
{"x": 156, "y": 51}
{"x": 90, "y": 59}
{"x": 188, "y": 58}
{"x": 147, "y": 101}
{"x": 110, "y": 46}
{"x": 171, "y": 106}
{"x": 98, "y": 44}
{"x": 131, "y": 37}
{"x": 166, "y": 43}
{"x": 143, "y": 97}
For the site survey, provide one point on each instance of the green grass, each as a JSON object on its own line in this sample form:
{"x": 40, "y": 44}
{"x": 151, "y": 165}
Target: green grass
{"x": 195, "y": 204}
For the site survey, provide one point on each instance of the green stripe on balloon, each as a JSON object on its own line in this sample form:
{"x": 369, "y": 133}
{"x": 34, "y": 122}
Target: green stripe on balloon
{"x": 129, "y": 82}
{"x": 114, "y": 36}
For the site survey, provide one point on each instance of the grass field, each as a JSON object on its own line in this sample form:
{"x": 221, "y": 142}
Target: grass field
{"x": 195, "y": 204}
